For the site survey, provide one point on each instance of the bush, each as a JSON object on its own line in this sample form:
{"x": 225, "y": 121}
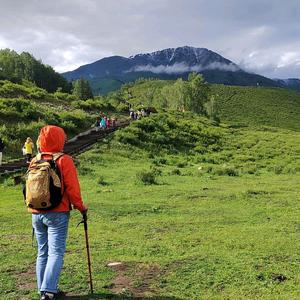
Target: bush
{"x": 175, "y": 172}
{"x": 147, "y": 177}
{"x": 174, "y": 132}
{"x": 156, "y": 171}
{"x": 225, "y": 170}
{"x": 159, "y": 161}
{"x": 181, "y": 164}
{"x": 101, "y": 181}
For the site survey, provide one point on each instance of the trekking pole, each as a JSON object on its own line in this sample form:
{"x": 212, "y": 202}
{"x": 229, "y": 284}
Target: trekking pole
{"x": 84, "y": 221}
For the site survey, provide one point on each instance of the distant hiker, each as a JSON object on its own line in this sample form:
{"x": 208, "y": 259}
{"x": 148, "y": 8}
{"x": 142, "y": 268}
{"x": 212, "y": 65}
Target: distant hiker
{"x": 139, "y": 115}
{"x": 97, "y": 124}
{"x": 113, "y": 122}
{"x": 103, "y": 123}
{"x": 108, "y": 122}
{"x": 1, "y": 150}
{"x": 143, "y": 113}
{"x": 28, "y": 149}
{"x": 51, "y": 225}
{"x": 131, "y": 114}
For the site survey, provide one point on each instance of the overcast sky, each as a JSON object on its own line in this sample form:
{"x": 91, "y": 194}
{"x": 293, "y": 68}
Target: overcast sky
{"x": 261, "y": 36}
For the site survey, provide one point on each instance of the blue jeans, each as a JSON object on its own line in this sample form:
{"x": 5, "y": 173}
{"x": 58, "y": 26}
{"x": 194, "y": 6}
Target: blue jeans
{"x": 51, "y": 234}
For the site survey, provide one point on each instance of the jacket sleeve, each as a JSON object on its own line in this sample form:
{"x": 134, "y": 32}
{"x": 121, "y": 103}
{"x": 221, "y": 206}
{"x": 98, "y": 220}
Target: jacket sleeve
{"x": 70, "y": 182}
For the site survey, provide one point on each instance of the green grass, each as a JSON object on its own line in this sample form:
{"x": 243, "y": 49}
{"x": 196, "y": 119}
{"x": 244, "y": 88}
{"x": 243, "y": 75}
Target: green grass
{"x": 259, "y": 106}
{"x": 199, "y": 233}
{"x": 246, "y": 106}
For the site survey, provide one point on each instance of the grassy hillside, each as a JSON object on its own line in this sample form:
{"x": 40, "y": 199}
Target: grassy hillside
{"x": 259, "y": 106}
{"x": 208, "y": 213}
{"x": 25, "y": 108}
{"x": 237, "y": 105}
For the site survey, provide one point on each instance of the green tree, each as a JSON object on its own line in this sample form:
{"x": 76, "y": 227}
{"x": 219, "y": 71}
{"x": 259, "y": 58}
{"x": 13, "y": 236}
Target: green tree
{"x": 196, "y": 92}
{"x": 82, "y": 89}
{"x": 15, "y": 67}
{"x": 212, "y": 109}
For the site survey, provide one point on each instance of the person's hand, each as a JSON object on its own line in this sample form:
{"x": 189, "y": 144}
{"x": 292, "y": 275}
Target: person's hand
{"x": 84, "y": 215}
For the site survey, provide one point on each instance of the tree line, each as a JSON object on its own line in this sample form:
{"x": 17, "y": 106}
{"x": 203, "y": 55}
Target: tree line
{"x": 193, "y": 95}
{"x": 18, "y": 67}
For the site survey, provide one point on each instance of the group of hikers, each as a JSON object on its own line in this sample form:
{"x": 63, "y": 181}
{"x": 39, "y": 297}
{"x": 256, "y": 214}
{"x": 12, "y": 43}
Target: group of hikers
{"x": 104, "y": 122}
{"x": 138, "y": 114}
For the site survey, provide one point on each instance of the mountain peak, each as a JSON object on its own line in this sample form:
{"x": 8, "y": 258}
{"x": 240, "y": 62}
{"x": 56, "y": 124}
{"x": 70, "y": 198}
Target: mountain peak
{"x": 169, "y": 63}
{"x": 170, "y": 53}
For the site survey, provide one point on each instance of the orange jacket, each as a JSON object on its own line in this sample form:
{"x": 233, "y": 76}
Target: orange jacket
{"x": 52, "y": 140}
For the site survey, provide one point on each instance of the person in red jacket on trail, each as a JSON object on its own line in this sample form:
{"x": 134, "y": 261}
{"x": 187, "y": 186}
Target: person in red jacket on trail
{"x": 51, "y": 226}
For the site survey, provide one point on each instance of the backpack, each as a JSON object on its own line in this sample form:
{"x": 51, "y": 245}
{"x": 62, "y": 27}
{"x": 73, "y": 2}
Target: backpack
{"x": 43, "y": 183}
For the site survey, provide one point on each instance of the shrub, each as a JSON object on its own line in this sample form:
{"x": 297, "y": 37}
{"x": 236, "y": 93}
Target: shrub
{"x": 225, "y": 170}
{"x": 147, "y": 177}
{"x": 159, "y": 161}
{"x": 101, "y": 181}
{"x": 181, "y": 164}
{"x": 84, "y": 170}
{"x": 175, "y": 172}
{"x": 156, "y": 171}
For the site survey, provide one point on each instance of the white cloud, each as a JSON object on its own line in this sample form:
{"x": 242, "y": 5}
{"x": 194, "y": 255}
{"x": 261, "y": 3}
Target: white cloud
{"x": 75, "y": 32}
{"x": 183, "y": 68}
{"x": 275, "y": 63}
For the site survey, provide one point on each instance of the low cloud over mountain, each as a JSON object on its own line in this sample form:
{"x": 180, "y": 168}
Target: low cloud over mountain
{"x": 169, "y": 63}
{"x": 179, "y": 68}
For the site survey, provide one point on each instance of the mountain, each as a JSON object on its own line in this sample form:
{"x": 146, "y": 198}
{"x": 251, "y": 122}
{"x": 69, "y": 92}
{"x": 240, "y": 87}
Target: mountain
{"x": 292, "y": 83}
{"x": 111, "y": 72}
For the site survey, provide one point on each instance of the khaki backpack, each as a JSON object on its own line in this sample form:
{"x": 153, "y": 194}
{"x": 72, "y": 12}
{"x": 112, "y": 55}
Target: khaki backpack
{"x": 43, "y": 183}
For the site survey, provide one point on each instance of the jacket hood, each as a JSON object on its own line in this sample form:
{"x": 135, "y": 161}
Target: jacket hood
{"x": 51, "y": 139}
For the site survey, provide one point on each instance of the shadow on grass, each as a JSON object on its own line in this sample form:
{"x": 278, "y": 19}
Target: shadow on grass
{"x": 118, "y": 297}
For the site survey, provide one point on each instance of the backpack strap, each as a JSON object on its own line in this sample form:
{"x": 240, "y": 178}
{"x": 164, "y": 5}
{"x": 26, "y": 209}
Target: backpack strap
{"x": 55, "y": 156}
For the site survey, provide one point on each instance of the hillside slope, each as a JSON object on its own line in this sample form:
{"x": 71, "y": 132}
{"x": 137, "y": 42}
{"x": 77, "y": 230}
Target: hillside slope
{"x": 274, "y": 107}
{"x": 259, "y": 106}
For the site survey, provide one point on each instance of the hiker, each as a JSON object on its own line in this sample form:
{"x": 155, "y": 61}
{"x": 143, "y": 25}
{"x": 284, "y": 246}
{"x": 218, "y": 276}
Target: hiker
{"x": 131, "y": 114}
{"x": 103, "y": 123}
{"x": 28, "y": 149}
{"x": 139, "y": 115}
{"x": 143, "y": 113}
{"x": 1, "y": 150}
{"x": 51, "y": 226}
{"x": 113, "y": 122}
{"x": 97, "y": 124}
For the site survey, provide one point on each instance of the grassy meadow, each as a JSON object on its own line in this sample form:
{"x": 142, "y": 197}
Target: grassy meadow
{"x": 209, "y": 214}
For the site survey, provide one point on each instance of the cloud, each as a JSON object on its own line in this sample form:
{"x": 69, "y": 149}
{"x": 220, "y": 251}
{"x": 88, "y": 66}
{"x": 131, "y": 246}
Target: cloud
{"x": 75, "y": 32}
{"x": 178, "y": 68}
{"x": 280, "y": 63}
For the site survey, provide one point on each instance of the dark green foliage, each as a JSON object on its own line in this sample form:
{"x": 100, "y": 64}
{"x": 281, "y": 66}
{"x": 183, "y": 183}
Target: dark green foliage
{"x": 225, "y": 170}
{"x": 94, "y": 105}
{"x": 15, "y": 68}
{"x": 101, "y": 181}
{"x": 82, "y": 89}
{"x": 29, "y": 90}
{"x": 196, "y": 93}
{"x": 146, "y": 177}
{"x": 172, "y": 132}
{"x": 175, "y": 172}
{"x": 190, "y": 95}
{"x": 17, "y": 110}
{"x": 20, "y": 118}
{"x": 238, "y": 106}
